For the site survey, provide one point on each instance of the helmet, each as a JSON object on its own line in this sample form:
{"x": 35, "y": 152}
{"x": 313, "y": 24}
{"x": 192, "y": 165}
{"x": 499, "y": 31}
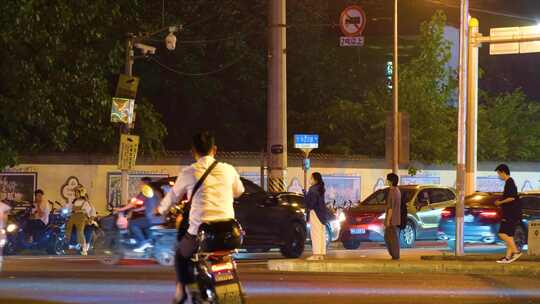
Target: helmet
{"x": 147, "y": 191}
{"x": 80, "y": 191}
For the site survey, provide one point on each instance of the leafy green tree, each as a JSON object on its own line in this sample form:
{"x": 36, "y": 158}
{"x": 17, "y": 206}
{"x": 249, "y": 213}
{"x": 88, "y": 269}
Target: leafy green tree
{"x": 57, "y": 61}
{"x": 427, "y": 87}
{"x": 508, "y": 127}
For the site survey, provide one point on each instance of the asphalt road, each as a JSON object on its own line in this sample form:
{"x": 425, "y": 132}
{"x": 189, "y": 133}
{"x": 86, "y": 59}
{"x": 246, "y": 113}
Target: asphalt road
{"x": 31, "y": 279}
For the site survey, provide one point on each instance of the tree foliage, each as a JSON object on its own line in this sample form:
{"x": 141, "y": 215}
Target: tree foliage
{"x": 508, "y": 127}
{"x": 427, "y": 87}
{"x": 57, "y": 61}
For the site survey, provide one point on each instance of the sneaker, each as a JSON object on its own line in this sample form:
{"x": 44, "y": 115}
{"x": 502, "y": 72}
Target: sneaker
{"x": 142, "y": 248}
{"x": 504, "y": 260}
{"x": 315, "y": 258}
{"x": 515, "y": 256}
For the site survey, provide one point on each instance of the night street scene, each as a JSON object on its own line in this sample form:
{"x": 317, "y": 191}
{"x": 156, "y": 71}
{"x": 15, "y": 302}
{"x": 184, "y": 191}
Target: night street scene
{"x": 269, "y": 151}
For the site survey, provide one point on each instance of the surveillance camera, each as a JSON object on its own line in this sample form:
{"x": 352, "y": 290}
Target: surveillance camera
{"x": 146, "y": 49}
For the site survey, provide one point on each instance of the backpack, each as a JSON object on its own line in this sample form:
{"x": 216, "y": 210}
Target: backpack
{"x": 404, "y": 212}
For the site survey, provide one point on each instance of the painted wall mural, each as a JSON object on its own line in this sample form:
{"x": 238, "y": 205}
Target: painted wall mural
{"x": 341, "y": 188}
{"x": 18, "y": 186}
{"x": 114, "y": 197}
{"x": 66, "y": 191}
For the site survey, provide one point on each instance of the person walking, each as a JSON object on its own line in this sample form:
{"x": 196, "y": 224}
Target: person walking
{"x": 511, "y": 214}
{"x": 317, "y": 216}
{"x": 392, "y": 219}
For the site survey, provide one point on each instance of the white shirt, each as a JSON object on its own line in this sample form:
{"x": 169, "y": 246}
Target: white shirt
{"x": 85, "y": 205}
{"x": 213, "y": 200}
{"x": 46, "y": 210}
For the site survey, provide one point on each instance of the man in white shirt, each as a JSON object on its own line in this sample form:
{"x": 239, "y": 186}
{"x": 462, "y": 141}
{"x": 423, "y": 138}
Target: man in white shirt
{"x": 212, "y": 201}
{"x": 39, "y": 217}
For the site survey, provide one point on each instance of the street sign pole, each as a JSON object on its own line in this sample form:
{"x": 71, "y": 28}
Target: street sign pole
{"x": 124, "y": 178}
{"x": 462, "y": 114}
{"x": 306, "y": 143}
{"x": 305, "y": 167}
{"x": 472, "y": 109}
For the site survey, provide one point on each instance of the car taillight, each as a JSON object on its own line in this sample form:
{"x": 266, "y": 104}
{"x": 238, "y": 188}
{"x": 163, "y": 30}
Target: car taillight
{"x": 222, "y": 267}
{"x": 447, "y": 213}
{"x": 489, "y": 214}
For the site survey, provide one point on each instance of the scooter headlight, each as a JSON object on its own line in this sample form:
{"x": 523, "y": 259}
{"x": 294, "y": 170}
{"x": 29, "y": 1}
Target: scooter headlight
{"x": 65, "y": 211}
{"x": 341, "y": 217}
{"x": 11, "y": 228}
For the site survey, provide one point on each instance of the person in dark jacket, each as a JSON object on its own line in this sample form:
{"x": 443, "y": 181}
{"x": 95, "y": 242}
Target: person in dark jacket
{"x": 317, "y": 216}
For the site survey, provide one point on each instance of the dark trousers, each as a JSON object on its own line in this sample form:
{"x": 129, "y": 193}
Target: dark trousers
{"x": 391, "y": 238}
{"x": 35, "y": 228}
{"x": 183, "y": 264}
{"x": 139, "y": 227}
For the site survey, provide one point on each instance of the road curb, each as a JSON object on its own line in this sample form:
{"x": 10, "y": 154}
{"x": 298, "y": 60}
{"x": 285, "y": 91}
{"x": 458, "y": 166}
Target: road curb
{"x": 476, "y": 257}
{"x": 521, "y": 268}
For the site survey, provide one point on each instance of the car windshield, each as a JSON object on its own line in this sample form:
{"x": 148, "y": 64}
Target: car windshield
{"x": 379, "y": 197}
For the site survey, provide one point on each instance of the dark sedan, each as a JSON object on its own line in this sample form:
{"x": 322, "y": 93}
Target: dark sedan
{"x": 482, "y": 219}
{"x": 270, "y": 220}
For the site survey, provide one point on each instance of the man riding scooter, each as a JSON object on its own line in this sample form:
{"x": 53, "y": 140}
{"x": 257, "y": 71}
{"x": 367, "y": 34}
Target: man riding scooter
{"x": 212, "y": 187}
{"x": 141, "y": 218}
{"x": 81, "y": 214}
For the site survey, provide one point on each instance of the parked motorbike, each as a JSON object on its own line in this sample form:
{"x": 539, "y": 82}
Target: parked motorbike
{"x": 50, "y": 240}
{"x": 115, "y": 244}
{"x": 214, "y": 273}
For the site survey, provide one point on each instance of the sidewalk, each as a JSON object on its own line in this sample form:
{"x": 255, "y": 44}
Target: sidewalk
{"x": 412, "y": 262}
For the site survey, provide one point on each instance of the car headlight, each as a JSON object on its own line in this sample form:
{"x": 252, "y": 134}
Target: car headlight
{"x": 382, "y": 217}
{"x": 11, "y": 228}
{"x": 341, "y": 217}
{"x": 65, "y": 211}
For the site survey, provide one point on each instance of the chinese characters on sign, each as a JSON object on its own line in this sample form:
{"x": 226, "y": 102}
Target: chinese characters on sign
{"x": 127, "y": 153}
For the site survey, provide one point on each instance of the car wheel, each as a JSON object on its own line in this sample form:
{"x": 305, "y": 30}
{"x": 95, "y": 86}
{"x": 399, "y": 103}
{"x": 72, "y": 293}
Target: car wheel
{"x": 10, "y": 249}
{"x": 295, "y": 240}
{"x": 407, "y": 236}
{"x": 351, "y": 244}
{"x": 520, "y": 237}
{"x": 56, "y": 247}
{"x": 165, "y": 258}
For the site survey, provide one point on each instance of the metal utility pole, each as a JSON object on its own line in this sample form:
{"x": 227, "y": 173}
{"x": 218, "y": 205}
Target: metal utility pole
{"x": 462, "y": 114}
{"x": 395, "y": 95}
{"x": 277, "y": 96}
{"x": 124, "y": 129}
{"x": 472, "y": 108}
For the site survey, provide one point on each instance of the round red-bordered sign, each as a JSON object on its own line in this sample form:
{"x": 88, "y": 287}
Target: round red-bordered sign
{"x": 352, "y": 21}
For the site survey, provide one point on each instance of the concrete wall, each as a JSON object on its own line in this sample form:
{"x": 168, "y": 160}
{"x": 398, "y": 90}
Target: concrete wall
{"x": 346, "y": 179}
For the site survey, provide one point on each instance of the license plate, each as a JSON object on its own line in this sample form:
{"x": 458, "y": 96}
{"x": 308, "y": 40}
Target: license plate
{"x": 468, "y": 218}
{"x": 358, "y": 231}
{"x": 229, "y": 293}
{"x": 223, "y": 276}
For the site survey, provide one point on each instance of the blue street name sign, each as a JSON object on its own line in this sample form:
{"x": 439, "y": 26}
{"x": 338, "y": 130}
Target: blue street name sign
{"x": 306, "y": 141}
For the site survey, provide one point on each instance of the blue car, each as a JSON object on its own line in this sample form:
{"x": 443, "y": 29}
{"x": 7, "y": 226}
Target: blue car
{"x": 482, "y": 219}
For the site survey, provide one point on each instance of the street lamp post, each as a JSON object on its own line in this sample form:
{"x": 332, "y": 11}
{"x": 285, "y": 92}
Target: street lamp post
{"x": 395, "y": 96}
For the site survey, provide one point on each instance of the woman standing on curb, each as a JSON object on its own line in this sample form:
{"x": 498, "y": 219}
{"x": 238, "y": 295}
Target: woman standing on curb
{"x": 317, "y": 216}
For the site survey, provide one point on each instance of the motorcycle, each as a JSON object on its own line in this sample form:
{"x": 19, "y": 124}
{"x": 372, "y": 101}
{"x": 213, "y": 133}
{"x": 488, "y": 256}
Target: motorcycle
{"x": 50, "y": 240}
{"x": 116, "y": 244}
{"x": 214, "y": 273}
